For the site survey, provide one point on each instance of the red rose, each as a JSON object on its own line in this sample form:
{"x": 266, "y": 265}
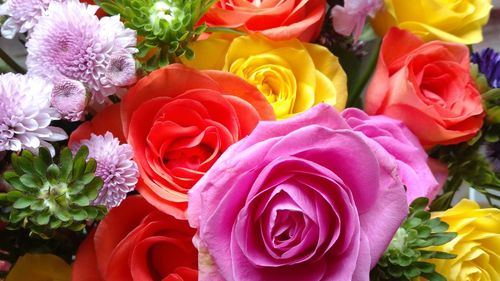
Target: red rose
{"x": 135, "y": 241}
{"x": 278, "y": 20}
{"x": 179, "y": 121}
{"x": 428, "y": 86}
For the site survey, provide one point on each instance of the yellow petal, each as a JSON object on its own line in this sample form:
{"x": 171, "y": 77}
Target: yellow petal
{"x": 40, "y": 267}
{"x": 208, "y": 54}
{"x": 332, "y": 71}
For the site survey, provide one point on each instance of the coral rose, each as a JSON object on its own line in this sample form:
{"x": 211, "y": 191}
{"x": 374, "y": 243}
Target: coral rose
{"x": 428, "y": 86}
{"x": 459, "y": 21}
{"x": 179, "y": 121}
{"x": 278, "y": 20}
{"x": 306, "y": 198}
{"x": 293, "y": 76}
{"x": 137, "y": 242}
{"x": 477, "y": 244}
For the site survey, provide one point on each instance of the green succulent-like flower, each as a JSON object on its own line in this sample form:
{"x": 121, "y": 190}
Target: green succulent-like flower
{"x": 164, "y": 26}
{"x": 403, "y": 259}
{"x": 46, "y": 196}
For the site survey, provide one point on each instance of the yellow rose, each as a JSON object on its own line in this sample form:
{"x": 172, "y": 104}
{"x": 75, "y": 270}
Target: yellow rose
{"x": 40, "y": 267}
{"x": 459, "y": 21}
{"x": 293, "y": 76}
{"x": 477, "y": 245}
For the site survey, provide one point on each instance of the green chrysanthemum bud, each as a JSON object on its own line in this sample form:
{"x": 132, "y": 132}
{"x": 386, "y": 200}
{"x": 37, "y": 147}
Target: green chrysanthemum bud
{"x": 403, "y": 258}
{"x": 166, "y": 26}
{"x": 46, "y": 196}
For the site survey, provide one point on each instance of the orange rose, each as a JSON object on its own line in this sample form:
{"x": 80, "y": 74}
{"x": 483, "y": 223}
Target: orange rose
{"x": 277, "y": 20}
{"x": 179, "y": 121}
{"x": 428, "y": 86}
{"x": 137, "y": 242}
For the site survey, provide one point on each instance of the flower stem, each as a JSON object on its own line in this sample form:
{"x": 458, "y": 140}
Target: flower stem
{"x": 11, "y": 62}
{"x": 357, "y": 89}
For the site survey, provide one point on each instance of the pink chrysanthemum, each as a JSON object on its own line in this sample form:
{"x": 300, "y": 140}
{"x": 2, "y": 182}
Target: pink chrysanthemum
{"x": 70, "y": 41}
{"x": 25, "y": 113}
{"x": 114, "y": 165}
{"x": 69, "y": 98}
{"x": 23, "y": 15}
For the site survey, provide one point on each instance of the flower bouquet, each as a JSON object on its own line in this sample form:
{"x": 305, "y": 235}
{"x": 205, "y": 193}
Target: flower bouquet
{"x": 263, "y": 140}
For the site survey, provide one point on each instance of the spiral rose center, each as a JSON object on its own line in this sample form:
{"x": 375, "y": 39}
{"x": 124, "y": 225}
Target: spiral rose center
{"x": 271, "y": 77}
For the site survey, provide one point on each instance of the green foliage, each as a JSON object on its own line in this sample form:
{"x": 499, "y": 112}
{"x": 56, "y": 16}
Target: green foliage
{"x": 467, "y": 162}
{"x": 404, "y": 258}
{"x": 490, "y": 97}
{"x": 46, "y": 196}
{"x": 166, "y": 26}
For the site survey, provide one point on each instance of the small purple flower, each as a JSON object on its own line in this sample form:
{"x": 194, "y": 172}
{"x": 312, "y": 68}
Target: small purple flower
{"x": 69, "y": 98}
{"x": 350, "y": 19}
{"x": 114, "y": 165}
{"x": 492, "y": 152}
{"x": 70, "y": 41}
{"x": 489, "y": 65}
{"x": 25, "y": 113}
{"x": 23, "y": 15}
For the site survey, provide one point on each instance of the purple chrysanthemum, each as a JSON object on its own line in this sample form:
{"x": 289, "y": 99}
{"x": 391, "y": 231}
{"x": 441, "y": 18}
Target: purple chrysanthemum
{"x": 114, "y": 165}
{"x": 489, "y": 65}
{"x": 69, "y": 98}
{"x": 23, "y": 15}
{"x": 70, "y": 41}
{"x": 25, "y": 113}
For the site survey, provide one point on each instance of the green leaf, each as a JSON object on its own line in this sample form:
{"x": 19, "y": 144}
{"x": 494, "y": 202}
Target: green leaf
{"x": 79, "y": 214}
{"x": 434, "y": 276}
{"x": 91, "y": 166}
{"x": 55, "y": 224}
{"x": 42, "y": 218}
{"x": 62, "y": 215}
{"x": 38, "y": 205}
{"x": 110, "y": 8}
{"x": 30, "y": 181}
{"x": 441, "y": 203}
{"x": 44, "y": 154}
{"x": 23, "y": 202}
{"x": 419, "y": 203}
{"x": 66, "y": 163}
{"x": 40, "y": 167}
{"x": 25, "y": 165}
{"x": 53, "y": 173}
{"x": 425, "y": 267}
{"x": 78, "y": 168}
{"x": 442, "y": 238}
{"x": 9, "y": 175}
{"x": 81, "y": 200}
{"x": 77, "y": 227}
{"x": 18, "y": 185}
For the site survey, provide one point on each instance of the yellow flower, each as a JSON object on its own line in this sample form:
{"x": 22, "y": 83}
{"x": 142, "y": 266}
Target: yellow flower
{"x": 294, "y": 76}
{"x": 459, "y": 21}
{"x": 40, "y": 267}
{"x": 477, "y": 245}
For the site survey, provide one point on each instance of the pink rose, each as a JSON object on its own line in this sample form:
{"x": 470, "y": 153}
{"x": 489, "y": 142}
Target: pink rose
{"x": 401, "y": 143}
{"x": 306, "y": 198}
